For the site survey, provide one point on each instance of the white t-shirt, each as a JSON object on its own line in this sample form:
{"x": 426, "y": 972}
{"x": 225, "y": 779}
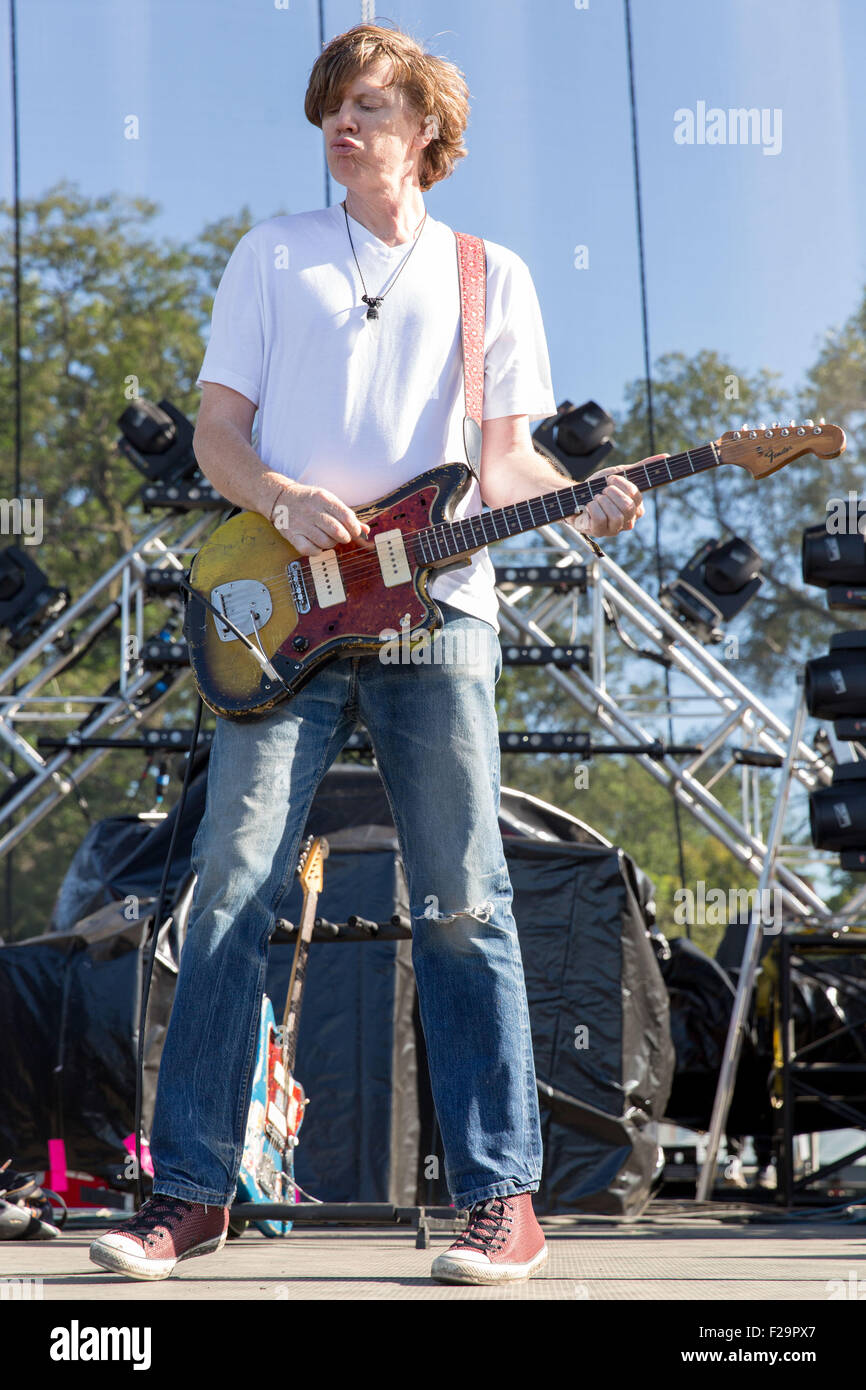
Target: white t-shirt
{"x": 361, "y": 406}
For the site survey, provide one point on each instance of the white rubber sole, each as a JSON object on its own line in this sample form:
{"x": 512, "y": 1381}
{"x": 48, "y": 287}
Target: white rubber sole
{"x": 141, "y": 1268}
{"x": 450, "y": 1269}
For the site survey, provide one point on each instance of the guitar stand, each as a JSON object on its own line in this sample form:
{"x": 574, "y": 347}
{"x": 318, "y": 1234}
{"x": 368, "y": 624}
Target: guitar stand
{"x": 355, "y": 928}
{"x": 424, "y": 1219}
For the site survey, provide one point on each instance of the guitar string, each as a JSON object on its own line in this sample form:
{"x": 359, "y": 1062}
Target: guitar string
{"x": 283, "y": 599}
{"x": 354, "y": 566}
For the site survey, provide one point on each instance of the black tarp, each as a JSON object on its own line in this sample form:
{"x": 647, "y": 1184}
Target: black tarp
{"x": 701, "y": 997}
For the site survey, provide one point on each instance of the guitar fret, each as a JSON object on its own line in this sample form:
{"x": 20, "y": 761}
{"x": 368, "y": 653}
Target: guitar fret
{"x": 445, "y": 540}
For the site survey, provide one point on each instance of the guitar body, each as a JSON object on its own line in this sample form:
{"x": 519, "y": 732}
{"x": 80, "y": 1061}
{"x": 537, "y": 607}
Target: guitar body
{"x": 247, "y": 566}
{"x": 267, "y": 1166}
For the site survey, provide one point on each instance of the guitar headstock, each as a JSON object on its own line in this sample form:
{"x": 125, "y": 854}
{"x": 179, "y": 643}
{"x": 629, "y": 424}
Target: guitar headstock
{"x": 763, "y": 450}
{"x": 310, "y": 866}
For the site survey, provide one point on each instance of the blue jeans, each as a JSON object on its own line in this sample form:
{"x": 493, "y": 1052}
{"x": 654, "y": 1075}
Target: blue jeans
{"x": 433, "y": 727}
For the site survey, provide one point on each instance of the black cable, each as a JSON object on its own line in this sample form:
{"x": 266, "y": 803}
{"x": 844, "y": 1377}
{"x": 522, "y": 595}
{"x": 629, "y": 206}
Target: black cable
{"x": 16, "y": 223}
{"x": 649, "y": 400}
{"x": 613, "y": 621}
{"x": 157, "y": 924}
{"x": 16, "y": 281}
{"x": 324, "y": 143}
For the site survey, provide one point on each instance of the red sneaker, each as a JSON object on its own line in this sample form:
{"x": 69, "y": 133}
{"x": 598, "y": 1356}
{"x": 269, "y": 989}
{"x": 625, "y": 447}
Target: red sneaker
{"x": 502, "y": 1241}
{"x": 164, "y": 1231}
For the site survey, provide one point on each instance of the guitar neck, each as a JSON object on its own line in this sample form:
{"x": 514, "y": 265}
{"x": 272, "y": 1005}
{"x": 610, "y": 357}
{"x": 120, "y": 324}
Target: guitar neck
{"x": 452, "y": 539}
{"x": 292, "y": 1014}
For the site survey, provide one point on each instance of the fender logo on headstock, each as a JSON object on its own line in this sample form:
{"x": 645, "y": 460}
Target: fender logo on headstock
{"x": 772, "y": 454}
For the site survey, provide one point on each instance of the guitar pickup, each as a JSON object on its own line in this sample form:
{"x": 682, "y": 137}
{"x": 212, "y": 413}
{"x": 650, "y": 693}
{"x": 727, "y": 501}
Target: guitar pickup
{"x": 393, "y": 561}
{"x": 328, "y": 582}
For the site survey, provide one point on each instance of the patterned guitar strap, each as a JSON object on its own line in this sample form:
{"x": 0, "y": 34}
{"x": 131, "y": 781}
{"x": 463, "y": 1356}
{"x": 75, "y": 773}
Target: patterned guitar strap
{"x": 472, "y": 267}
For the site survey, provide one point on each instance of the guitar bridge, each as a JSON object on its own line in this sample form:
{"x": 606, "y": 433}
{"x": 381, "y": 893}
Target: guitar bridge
{"x": 300, "y": 597}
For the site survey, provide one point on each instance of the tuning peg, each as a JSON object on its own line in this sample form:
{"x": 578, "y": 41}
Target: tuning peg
{"x": 775, "y": 425}
{"x": 791, "y": 423}
{"x": 822, "y": 421}
{"x": 808, "y": 422}
{"x": 762, "y": 426}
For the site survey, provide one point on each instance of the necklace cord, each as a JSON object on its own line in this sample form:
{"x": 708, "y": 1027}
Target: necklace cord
{"x": 373, "y": 302}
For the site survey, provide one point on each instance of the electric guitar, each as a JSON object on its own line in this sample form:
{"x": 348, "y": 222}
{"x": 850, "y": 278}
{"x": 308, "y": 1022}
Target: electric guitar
{"x": 278, "y": 1101}
{"x": 272, "y": 617}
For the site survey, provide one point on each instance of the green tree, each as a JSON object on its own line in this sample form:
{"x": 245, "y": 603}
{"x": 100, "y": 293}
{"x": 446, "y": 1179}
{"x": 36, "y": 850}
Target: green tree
{"x": 108, "y": 312}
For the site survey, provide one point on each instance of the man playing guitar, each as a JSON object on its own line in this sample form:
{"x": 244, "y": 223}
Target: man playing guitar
{"x": 341, "y": 326}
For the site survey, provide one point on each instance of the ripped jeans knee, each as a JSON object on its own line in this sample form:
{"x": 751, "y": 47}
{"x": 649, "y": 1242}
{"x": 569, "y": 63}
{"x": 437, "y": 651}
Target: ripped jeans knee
{"x": 479, "y": 912}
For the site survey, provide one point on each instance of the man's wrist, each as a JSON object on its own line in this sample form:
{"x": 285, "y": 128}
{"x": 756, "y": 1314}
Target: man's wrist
{"x": 273, "y": 491}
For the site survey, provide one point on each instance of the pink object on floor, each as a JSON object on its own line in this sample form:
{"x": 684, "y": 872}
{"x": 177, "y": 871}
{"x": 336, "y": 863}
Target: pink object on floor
{"x": 57, "y": 1180}
{"x": 146, "y": 1160}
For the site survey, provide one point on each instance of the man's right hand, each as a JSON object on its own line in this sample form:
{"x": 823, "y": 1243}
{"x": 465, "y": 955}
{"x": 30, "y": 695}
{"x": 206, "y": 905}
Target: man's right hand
{"x": 313, "y": 519}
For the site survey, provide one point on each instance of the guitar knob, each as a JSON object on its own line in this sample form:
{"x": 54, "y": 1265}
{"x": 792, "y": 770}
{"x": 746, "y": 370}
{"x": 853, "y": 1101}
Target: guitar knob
{"x": 300, "y": 644}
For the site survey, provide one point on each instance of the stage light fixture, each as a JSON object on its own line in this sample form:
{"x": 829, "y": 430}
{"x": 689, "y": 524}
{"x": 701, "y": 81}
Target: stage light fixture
{"x": 835, "y": 684}
{"x": 835, "y": 689}
{"x": 28, "y": 603}
{"x": 837, "y": 815}
{"x": 715, "y": 585}
{"x": 833, "y": 558}
{"x": 578, "y": 437}
{"x": 157, "y": 440}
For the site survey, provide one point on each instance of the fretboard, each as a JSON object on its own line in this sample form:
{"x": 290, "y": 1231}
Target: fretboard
{"x": 451, "y": 539}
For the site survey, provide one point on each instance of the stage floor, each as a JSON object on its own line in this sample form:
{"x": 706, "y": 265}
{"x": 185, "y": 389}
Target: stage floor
{"x": 671, "y": 1252}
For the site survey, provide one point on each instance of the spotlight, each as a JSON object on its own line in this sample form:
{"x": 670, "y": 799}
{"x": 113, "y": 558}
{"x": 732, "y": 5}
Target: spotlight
{"x": 578, "y": 437}
{"x": 833, "y": 559}
{"x": 157, "y": 439}
{"x": 835, "y": 685}
{"x": 715, "y": 585}
{"x": 836, "y": 561}
{"x": 837, "y": 815}
{"x": 28, "y": 603}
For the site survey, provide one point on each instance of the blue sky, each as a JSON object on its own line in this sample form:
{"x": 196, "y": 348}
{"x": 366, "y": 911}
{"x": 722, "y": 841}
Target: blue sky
{"x": 750, "y": 254}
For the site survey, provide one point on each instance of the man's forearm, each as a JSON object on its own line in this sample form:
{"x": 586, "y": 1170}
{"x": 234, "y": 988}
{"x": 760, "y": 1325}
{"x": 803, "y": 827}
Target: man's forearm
{"x": 230, "y": 462}
{"x": 523, "y": 475}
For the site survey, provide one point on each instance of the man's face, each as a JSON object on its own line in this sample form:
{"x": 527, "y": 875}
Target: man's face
{"x": 373, "y": 134}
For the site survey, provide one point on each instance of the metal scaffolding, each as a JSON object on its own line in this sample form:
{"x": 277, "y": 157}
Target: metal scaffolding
{"x": 529, "y": 613}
